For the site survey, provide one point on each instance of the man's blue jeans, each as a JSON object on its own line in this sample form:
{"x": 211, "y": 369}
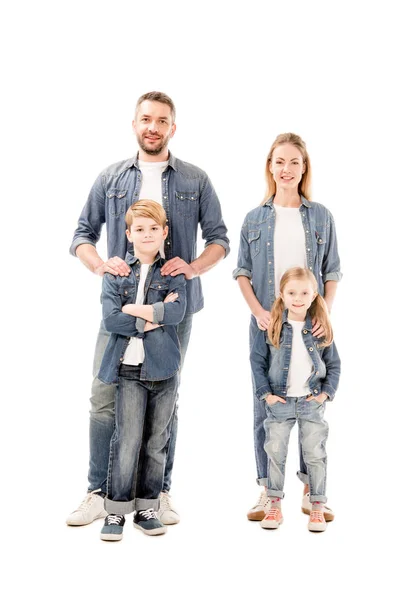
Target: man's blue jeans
{"x": 144, "y": 413}
{"x": 102, "y": 414}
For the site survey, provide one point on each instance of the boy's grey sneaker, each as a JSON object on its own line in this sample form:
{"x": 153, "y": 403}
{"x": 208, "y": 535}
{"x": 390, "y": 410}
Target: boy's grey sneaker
{"x": 90, "y": 509}
{"x": 147, "y": 521}
{"x": 113, "y": 528}
{"x": 167, "y": 513}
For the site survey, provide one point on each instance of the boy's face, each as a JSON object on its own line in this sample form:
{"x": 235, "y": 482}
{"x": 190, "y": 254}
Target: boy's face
{"x": 146, "y": 235}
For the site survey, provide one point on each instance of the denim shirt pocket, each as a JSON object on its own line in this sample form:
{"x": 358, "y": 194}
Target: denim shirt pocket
{"x": 254, "y": 241}
{"x": 187, "y": 203}
{"x": 116, "y": 202}
{"x": 127, "y": 293}
{"x": 157, "y": 292}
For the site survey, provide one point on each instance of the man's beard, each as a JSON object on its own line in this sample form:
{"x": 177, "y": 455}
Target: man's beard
{"x": 153, "y": 151}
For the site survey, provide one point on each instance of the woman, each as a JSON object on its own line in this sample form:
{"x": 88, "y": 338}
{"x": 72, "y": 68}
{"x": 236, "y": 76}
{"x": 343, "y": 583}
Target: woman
{"x": 287, "y": 230}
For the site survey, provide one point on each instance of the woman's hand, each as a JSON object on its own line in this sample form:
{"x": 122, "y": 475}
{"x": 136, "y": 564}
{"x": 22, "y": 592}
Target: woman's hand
{"x": 263, "y": 317}
{"x": 317, "y": 330}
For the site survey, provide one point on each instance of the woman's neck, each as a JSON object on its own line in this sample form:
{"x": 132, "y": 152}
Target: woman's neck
{"x": 287, "y": 198}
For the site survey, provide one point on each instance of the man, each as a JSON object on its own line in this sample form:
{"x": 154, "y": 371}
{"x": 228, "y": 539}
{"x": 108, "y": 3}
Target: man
{"x": 189, "y": 199}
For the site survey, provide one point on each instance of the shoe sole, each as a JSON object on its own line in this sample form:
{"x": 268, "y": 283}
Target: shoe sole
{"x": 256, "y": 516}
{"x": 111, "y": 537}
{"x": 328, "y": 516}
{"x": 158, "y": 531}
{"x": 316, "y": 527}
{"x": 269, "y": 525}
{"x": 170, "y": 522}
{"x": 101, "y": 515}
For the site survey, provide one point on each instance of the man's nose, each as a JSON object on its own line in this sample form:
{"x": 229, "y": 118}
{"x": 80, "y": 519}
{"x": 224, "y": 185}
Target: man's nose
{"x": 153, "y": 126}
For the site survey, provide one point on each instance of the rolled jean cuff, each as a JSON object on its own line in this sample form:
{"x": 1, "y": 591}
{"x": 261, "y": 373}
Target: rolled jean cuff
{"x": 275, "y": 494}
{"x": 262, "y": 481}
{"x": 145, "y": 503}
{"x": 321, "y": 499}
{"x": 115, "y": 507}
{"x": 303, "y": 477}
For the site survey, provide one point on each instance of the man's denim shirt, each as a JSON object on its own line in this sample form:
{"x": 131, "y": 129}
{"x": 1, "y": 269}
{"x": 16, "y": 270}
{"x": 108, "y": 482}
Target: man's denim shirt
{"x": 188, "y": 199}
{"x": 256, "y": 251}
{"x": 161, "y": 346}
{"x": 270, "y": 365}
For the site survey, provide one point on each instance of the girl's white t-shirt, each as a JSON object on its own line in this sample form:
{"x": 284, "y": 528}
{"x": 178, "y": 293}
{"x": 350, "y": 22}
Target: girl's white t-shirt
{"x": 289, "y": 242}
{"x": 134, "y": 353}
{"x": 301, "y": 365}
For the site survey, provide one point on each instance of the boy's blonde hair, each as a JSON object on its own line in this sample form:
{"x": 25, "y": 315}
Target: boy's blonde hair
{"x": 318, "y": 308}
{"x": 146, "y": 208}
{"x": 305, "y": 183}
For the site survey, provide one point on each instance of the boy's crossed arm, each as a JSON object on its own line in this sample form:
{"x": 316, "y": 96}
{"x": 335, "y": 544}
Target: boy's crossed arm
{"x": 146, "y": 311}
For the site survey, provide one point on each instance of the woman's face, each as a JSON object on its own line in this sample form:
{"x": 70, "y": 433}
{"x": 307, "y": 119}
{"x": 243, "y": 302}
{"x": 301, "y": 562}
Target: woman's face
{"x": 287, "y": 167}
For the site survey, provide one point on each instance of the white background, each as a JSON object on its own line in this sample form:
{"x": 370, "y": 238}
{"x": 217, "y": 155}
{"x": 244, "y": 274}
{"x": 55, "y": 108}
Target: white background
{"x": 239, "y": 73}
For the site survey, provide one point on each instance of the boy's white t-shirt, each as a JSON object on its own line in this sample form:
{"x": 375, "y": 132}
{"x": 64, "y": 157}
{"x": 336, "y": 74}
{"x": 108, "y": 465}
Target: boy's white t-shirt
{"x": 134, "y": 354}
{"x": 151, "y": 188}
{"x": 301, "y": 365}
{"x": 289, "y": 242}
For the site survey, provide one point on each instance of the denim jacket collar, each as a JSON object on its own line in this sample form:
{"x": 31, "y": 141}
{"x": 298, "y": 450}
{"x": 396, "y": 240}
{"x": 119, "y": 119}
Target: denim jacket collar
{"x": 304, "y": 201}
{"x": 308, "y": 321}
{"x": 130, "y": 259}
{"x": 134, "y": 162}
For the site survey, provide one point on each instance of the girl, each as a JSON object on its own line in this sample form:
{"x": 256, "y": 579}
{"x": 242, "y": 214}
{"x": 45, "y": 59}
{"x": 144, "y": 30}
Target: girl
{"x": 295, "y": 372}
{"x": 286, "y": 230}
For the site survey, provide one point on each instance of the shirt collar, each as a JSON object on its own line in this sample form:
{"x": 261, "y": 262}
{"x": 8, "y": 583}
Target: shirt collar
{"x": 130, "y": 259}
{"x": 304, "y": 201}
{"x": 134, "y": 162}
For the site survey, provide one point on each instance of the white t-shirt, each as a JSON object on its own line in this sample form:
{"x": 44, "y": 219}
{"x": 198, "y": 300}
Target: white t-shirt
{"x": 289, "y": 242}
{"x": 134, "y": 353}
{"x": 151, "y": 188}
{"x": 301, "y": 365}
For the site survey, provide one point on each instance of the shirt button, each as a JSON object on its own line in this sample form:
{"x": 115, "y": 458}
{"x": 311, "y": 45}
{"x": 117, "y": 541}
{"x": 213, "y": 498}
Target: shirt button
{"x": 121, "y": 359}
{"x": 310, "y": 268}
{"x": 159, "y": 287}
{"x": 307, "y": 231}
{"x": 268, "y": 244}
{"x": 164, "y": 179}
{"x": 308, "y": 249}
{"x": 269, "y": 226}
{"x": 315, "y": 391}
{"x": 165, "y": 197}
{"x": 311, "y": 349}
{"x": 317, "y": 372}
{"x": 269, "y": 262}
{"x": 125, "y": 293}
{"x": 304, "y": 330}
{"x": 192, "y": 197}
{"x": 270, "y": 281}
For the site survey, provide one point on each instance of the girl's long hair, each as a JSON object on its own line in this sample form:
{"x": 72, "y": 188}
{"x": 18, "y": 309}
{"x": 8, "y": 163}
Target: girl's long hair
{"x": 305, "y": 183}
{"x": 318, "y": 308}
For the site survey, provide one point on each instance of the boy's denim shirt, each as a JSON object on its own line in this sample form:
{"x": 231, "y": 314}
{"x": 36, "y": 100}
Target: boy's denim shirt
{"x": 256, "y": 251}
{"x": 270, "y": 365}
{"x": 161, "y": 346}
{"x": 188, "y": 199}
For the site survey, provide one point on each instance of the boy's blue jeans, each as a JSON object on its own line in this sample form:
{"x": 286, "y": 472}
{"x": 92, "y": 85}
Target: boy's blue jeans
{"x": 102, "y": 414}
{"x": 144, "y": 413}
{"x": 313, "y": 433}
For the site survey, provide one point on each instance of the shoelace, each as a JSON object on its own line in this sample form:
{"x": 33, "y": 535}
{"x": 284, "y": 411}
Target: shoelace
{"x": 165, "y": 502}
{"x": 273, "y": 514}
{"x": 263, "y": 499}
{"x": 88, "y": 500}
{"x": 150, "y": 513}
{"x": 114, "y": 519}
{"x": 317, "y": 515}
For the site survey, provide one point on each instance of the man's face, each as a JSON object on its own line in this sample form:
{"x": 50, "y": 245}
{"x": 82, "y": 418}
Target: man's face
{"x": 146, "y": 235}
{"x": 153, "y": 127}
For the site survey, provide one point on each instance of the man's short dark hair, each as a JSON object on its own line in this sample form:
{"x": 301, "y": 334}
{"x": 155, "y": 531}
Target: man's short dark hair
{"x": 157, "y": 97}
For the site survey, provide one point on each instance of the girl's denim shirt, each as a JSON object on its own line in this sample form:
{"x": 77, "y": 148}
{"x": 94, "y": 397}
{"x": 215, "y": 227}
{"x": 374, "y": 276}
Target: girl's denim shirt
{"x": 270, "y": 365}
{"x": 161, "y": 346}
{"x": 256, "y": 251}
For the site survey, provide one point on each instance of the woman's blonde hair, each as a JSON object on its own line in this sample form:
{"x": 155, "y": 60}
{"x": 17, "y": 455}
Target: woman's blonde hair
{"x": 305, "y": 183}
{"x": 318, "y": 308}
{"x": 146, "y": 208}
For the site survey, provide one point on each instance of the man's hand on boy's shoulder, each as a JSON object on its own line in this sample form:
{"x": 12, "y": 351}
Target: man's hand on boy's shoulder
{"x": 115, "y": 266}
{"x": 176, "y": 266}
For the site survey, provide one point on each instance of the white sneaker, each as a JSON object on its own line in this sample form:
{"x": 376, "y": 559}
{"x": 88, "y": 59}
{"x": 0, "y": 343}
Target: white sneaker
{"x": 260, "y": 509}
{"x": 90, "y": 509}
{"x": 306, "y": 508}
{"x": 167, "y": 514}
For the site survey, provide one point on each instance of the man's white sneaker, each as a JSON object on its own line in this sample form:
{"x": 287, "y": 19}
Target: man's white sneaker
{"x": 306, "y": 508}
{"x": 167, "y": 514}
{"x": 90, "y": 509}
{"x": 260, "y": 509}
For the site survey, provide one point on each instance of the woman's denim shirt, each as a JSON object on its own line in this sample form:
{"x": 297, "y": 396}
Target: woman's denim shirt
{"x": 161, "y": 346}
{"x": 256, "y": 251}
{"x": 270, "y": 365}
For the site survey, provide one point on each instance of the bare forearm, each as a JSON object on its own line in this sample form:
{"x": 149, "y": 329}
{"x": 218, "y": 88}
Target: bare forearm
{"x": 211, "y": 255}
{"x": 145, "y": 311}
{"x": 330, "y": 288}
{"x": 248, "y": 293}
{"x": 87, "y": 254}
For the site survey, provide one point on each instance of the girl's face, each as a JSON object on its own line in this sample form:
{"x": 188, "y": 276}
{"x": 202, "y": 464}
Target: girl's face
{"x": 297, "y": 297}
{"x": 287, "y": 167}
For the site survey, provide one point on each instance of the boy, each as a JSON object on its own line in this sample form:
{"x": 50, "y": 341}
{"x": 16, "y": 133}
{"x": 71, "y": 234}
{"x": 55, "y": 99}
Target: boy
{"x": 141, "y": 311}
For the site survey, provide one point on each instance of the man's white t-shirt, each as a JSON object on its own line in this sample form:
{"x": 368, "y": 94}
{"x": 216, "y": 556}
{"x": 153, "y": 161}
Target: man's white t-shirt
{"x": 289, "y": 242}
{"x": 151, "y": 188}
{"x": 134, "y": 354}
